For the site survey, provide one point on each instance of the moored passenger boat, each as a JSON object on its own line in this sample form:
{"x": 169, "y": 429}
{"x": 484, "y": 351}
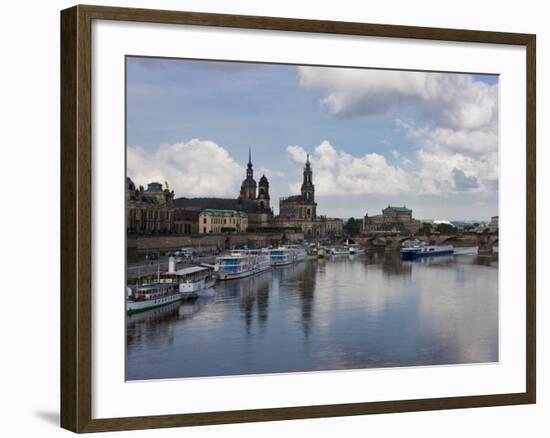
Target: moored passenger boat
{"x": 339, "y": 251}
{"x": 416, "y": 249}
{"x": 150, "y": 296}
{"x": 193, "y": 281}
{"x": 242, "y": 263}
{"x": 355, "y": 248}
{"x": 286, "y": 255}
{"x": 466, "y": 250}
{"x": 172, "y": 286}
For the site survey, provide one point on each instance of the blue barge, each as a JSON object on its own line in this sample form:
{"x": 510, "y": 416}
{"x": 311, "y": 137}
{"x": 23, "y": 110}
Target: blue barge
{"x": 418, "y": 250}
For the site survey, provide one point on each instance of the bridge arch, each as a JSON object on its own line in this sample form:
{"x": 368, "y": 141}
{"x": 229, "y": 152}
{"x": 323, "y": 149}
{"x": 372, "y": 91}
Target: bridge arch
{"x": 405, "y": 238}
{"x": 448, "y": 239}
{"x": 376, "y": 241}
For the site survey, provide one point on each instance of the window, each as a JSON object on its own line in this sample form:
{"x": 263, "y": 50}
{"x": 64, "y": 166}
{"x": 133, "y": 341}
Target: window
{"x": 204, "y": 221}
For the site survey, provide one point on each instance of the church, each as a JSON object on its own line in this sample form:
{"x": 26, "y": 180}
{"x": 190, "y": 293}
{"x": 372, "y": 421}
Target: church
{"x": 302, "y": 206}
{"x": 248, "y": 188}
{"x": 255, "y": 202}
{"x": 155, "y": 210}
{"x": 300, "y": 211}
{"x": 253, "y": 199}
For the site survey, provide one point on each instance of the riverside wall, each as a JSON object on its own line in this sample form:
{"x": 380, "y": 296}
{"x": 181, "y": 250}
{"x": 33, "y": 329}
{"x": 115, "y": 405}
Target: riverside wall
{"x": 206, "y": 243}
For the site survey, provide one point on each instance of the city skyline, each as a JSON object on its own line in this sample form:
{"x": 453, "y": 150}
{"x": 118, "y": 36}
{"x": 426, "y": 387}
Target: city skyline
{"x": 375, "y": 137}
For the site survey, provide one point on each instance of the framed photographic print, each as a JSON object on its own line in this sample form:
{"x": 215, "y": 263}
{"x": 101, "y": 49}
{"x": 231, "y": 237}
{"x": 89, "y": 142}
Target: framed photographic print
{"x": 268, "y": 218}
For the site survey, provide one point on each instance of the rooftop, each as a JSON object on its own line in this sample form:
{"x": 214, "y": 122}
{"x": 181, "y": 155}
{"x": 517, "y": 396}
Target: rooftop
{"x": 399, "y": 209}
{"x": 154, "y": 187}
{"x": 200, "y": 203}
{"x": 292, "y": 198}
{"x": 188, "y": 271}
{"x": 216, "y": 212}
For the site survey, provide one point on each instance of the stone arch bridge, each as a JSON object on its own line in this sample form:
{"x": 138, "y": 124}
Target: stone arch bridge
{"x": 485, "y": 242}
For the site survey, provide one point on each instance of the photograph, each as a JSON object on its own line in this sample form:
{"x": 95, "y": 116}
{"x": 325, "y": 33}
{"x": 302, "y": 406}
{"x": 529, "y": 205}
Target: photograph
{"x": 289, "y": 218}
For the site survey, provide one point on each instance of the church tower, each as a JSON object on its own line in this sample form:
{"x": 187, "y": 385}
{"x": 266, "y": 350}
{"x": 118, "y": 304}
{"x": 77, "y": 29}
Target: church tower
{"x": 263, "y": 193}
{"x": 248, "y": 187}
{"x": 308, "y": 189}
{"x": 308, "y": 192}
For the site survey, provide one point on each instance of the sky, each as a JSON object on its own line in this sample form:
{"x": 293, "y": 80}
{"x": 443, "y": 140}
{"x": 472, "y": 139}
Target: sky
{"x": 375, "y": 137}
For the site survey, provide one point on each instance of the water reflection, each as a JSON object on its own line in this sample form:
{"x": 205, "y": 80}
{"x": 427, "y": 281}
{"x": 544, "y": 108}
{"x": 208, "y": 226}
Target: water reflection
{"x": 370, "y": 310}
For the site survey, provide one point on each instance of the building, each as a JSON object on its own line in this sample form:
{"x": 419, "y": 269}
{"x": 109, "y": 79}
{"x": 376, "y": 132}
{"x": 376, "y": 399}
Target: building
{"x": 334, "y": 227}
{"x": 302, "y": 206}
{"x": 263, "y": 194}
{"x": 218, "y": 221}
{"x": 149, "y": 211}
{"x": 253, "y": 200}
{"x": 248, "y": 187}
{"x": 392, "y": 219}
{"x": 300, "y": 211}
{"x": 186, "y": 221}
{"x": 493, "y": 224}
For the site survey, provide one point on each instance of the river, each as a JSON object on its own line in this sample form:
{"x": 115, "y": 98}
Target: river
{"x": 366, "y": 311}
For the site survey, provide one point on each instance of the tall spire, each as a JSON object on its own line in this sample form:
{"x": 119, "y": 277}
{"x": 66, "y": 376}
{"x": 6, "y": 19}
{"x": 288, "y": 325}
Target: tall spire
{"x": 250, "y": 156}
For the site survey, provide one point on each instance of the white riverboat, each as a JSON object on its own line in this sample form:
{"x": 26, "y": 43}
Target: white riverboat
{"x": 193, "y": 281}
{"x": 286, "y": 255}
{"x": 355, "y": 248}
{"x": 173, "y": 285}
{"x": 466, "y": 250}
{"x": 339, "y": 251}
{"x": 242, "y": 263}
{"x": 150, "y": 296}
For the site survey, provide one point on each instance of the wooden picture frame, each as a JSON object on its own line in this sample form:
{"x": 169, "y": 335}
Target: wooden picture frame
{"x": 76, "y": 217}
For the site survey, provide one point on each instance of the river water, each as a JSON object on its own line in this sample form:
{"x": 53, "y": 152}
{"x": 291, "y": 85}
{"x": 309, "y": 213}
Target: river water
{"x": 366, "y": 311}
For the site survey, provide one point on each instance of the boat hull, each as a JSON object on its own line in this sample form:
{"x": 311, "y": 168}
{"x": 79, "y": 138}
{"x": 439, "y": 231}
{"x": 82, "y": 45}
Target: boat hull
{"x": 474, "y": 250}
{"x": 293, "y": 256}
{"x": 223, "y": 275}
{"x": 412, "y": 255}
{"x": 144, "y": 305}
{"x": 241, "y": 265}
{"x": 339, "y": 253}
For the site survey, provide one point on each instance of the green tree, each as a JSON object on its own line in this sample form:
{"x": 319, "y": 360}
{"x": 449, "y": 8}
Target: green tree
{"x": 426, "y": 229}
{"x": 352, "y": 226}
{"x": 446, "y": 229}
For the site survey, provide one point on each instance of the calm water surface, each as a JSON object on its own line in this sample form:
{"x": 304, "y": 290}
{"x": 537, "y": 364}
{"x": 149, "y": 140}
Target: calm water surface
{"x": 369, "y": 311}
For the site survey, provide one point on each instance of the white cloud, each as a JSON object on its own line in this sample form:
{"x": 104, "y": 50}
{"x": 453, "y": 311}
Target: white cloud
{"x": 269, "y": 173}
{"x": 454, "y": 120}
{"x": 339, "y": 173}
{"x": 457, "y": 99}
{"x": 296, "y": 153}
{"x": 195, "y": 168}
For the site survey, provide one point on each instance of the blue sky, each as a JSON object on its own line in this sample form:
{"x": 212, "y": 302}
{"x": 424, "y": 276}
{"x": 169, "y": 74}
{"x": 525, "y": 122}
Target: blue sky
{"x": 375, "y": 136}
